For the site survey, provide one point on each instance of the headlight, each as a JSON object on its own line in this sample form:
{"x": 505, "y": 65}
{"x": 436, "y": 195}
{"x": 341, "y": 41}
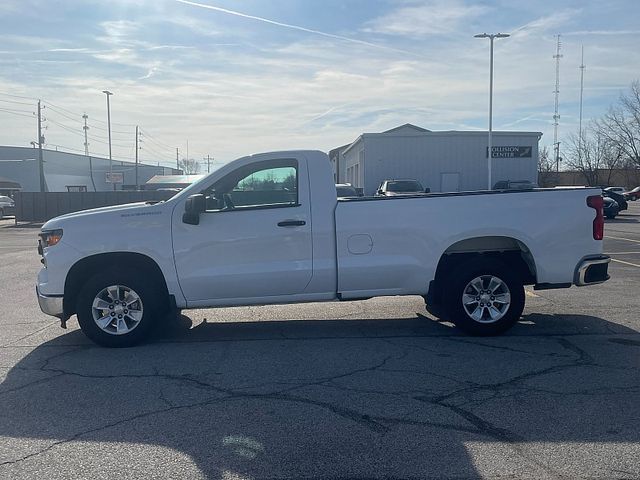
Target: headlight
{"x": 49, "y": 238}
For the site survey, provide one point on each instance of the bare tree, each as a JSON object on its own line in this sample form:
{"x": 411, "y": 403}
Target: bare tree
{"x": 546, "y": 169}
{"x": 189, "y": 166}
{"x": 594, "y": 155}
{"x": 621, "y": 125}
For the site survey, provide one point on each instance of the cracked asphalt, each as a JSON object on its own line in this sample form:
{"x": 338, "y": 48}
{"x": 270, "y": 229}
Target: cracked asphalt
{"x": 371, "y": 389}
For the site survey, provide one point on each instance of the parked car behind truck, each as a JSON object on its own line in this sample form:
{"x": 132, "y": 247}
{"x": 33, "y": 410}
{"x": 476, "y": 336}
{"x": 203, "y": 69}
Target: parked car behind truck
{"x": 268, "y": 229}
{"x": 394, "y": 188}
{"x": 7, "y": 207}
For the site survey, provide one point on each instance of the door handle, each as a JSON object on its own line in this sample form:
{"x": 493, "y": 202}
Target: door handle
{"x": 292, "y": 223}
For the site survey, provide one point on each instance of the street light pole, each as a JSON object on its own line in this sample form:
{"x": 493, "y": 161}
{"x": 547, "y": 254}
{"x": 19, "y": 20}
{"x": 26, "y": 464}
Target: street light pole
{"x": 108, "y": 94}
{"x": 491, "y": 37}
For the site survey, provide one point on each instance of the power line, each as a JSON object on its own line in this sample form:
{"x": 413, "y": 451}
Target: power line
{"x": 93, "y": 137}
{"x": 15, "y": 101}
{"x": 18, "y": 96}
{"x": 154, "y": 139}
{"x": 16, "y": 112}
{"x": 94, "y": 119}
{"x": 74, "y": 118}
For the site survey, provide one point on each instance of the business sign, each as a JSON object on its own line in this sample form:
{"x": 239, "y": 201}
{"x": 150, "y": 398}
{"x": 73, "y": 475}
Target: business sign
{"x": 115, "y": 177}
{"x": 509, "y": 152}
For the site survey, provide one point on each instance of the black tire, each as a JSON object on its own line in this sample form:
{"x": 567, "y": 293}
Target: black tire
{"x": 1, "y": 214}
{"x": 460, "y": 279}
{"x": 610, "y": 216}
{"x": 149, "y": 291}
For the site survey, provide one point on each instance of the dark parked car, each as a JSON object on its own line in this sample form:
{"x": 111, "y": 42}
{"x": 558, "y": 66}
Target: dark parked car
{"x": 611, "y": 208}
{"x": 514, "y": 185}
{"x": 618, "y": 197}
{"x": 346, "y": 190}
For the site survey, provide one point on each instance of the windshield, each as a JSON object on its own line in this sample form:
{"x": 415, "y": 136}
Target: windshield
{"x": 404, "y": 186}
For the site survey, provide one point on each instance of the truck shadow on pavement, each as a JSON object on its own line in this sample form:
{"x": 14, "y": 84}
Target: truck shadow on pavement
{"x": 344, "y": 398}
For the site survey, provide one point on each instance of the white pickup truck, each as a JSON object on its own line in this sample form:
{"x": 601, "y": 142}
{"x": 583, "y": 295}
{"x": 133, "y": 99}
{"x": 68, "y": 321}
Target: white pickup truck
{"x": 268, "y": 229}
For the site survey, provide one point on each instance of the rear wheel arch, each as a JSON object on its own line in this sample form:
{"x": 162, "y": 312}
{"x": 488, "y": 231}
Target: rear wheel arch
{"x": 507, "y": 250}
{"x": 85, "y": 268}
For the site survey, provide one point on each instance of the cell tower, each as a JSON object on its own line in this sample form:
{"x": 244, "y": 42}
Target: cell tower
{"x": 556, "y": 115}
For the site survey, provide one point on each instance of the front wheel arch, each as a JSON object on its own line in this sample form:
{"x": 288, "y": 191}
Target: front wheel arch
{"x": 85, "y": 268}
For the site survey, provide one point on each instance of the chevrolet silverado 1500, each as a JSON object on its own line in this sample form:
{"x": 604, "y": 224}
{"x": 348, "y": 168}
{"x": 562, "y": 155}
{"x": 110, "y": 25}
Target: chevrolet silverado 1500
{"x": 268, "y": 229}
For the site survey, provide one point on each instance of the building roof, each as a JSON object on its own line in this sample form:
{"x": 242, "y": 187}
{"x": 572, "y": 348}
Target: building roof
{"x": 407, "y": 126}
{"x": 411, "y": 130}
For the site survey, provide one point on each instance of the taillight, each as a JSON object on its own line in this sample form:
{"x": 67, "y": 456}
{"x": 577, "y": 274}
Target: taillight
{"x": 597, "y": 202}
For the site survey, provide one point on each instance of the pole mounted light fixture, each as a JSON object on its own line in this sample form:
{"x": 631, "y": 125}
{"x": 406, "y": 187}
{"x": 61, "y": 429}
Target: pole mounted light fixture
{"x": 491, "y": 37}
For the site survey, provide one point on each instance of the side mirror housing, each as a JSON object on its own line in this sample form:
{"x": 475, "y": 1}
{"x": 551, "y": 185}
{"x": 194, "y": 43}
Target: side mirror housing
{"x": 193, "y": 207}
{"x": 379, "y": 192}
{"x": 427, "y": 190}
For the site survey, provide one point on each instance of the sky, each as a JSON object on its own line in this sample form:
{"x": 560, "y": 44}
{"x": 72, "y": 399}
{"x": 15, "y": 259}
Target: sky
{"x": 230, "y": 78}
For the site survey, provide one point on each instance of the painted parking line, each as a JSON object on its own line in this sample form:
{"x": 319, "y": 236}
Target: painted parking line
{"x": 529, "y": 293}
{"x": 626, "y": 263}
{"x": 623, "y": 253}
{"x": 620, "y": 238}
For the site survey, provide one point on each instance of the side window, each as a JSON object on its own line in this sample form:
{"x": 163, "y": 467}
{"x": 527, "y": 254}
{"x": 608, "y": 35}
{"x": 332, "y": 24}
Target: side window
{"x": 273, "y": 183}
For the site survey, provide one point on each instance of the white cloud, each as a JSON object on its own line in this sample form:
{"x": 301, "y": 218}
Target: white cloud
{"x": 549, "y": 23}
{"x": 434, "y": 17}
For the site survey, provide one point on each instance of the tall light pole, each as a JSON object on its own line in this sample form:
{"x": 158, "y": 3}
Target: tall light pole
{"x": 491, "y": 37}
{"x": 108, "y": 94}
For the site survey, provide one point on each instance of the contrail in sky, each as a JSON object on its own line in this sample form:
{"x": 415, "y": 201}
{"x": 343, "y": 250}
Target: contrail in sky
{"x": 293, "y": 27}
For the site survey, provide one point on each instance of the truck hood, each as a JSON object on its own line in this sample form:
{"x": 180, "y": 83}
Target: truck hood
{"x": 128, "y": 208}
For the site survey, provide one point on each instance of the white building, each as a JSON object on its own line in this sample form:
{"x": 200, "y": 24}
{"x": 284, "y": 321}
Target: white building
{"x": 65, "y": 171}
{"x": 447, "y": 161}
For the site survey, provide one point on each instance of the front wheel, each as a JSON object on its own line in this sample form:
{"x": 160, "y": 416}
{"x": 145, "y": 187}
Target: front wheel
{"x": 118, "y": 308}
{"x": 484, "y": 297}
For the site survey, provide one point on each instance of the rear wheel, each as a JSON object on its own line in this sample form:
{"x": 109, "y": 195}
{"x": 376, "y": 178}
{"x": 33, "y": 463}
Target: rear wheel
{"x": 119, "y": 308}
{"x": 1, "y": 214}
{"x": 484, "y": 297}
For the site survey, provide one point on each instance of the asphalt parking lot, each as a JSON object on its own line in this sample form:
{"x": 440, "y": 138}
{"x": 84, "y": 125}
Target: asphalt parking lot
{"x": 371, "y": 389}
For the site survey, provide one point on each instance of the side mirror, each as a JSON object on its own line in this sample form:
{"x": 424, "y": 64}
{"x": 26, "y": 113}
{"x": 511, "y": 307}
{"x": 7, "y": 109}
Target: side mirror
{"x": 427, "y": 190}
{"x": 193, "y": 207}
{"x": 379, "y": 192}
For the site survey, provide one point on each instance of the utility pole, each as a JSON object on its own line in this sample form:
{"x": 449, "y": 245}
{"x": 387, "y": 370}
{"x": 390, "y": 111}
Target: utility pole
{"x": 86, "y": 150}
{"x": 208, "y": 163}
{"x": 40, "y": 142}
{"x": 177, "y": 159}
{"x": 108, "y": 94}
{"x": 137, "y": 185}
{"x": 556, "y": 115}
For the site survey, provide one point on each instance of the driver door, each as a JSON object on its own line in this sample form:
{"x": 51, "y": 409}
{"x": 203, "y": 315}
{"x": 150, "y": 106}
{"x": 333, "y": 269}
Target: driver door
{"x": 254, "y": 240}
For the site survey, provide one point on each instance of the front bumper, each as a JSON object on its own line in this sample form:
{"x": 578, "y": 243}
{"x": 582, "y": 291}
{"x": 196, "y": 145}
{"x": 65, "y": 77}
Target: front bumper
{"x": 8, "y": 211}
{"x": 51, "y": 305}
{"x": 592, "y": 270}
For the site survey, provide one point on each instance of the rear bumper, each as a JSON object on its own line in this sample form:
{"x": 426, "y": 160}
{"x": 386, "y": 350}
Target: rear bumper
{"x": 592, "y": 270}
{"x": 51, "y": 305}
